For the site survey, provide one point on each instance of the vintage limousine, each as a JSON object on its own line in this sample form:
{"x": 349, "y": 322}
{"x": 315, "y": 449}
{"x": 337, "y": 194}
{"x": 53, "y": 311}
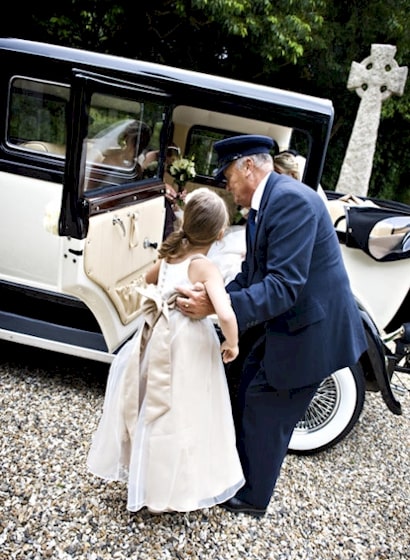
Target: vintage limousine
{"x": 81, "y": 222}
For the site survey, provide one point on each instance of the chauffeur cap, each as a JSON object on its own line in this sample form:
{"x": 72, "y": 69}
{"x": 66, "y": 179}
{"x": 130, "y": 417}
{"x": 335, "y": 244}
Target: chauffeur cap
{"x": 235, "y": 147}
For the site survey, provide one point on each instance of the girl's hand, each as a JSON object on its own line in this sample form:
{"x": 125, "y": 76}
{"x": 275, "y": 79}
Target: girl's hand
{"x": 170, "y": 193}
{"x": 229, "y": 353}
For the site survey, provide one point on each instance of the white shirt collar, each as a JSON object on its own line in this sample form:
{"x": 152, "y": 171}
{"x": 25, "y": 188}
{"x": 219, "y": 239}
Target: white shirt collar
{"x": 257, "y": 195}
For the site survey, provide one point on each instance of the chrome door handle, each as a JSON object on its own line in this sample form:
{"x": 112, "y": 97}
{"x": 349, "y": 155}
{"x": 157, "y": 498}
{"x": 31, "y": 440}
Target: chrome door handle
{"x": 118, "y": 221}
{"x": 148, "y": 244}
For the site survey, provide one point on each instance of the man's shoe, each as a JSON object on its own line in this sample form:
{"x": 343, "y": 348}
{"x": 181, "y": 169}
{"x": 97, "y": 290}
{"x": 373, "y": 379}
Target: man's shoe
{"x": 236, "y": 505}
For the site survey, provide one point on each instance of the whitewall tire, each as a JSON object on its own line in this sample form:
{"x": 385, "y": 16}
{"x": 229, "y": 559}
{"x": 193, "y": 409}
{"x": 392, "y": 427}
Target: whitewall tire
{"x": 332, "y": 414}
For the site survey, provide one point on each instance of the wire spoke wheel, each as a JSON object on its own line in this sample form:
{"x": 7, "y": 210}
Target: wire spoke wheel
{"x": 332, "y": 413}
{"x": 322, "y": 408}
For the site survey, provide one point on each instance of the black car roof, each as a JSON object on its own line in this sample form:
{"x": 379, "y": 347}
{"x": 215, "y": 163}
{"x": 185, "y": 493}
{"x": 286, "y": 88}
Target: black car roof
{"x": 116, "y": 64}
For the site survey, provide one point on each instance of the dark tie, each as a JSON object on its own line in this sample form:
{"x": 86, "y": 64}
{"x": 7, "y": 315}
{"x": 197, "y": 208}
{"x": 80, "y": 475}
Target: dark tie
{"x": 252, "y": 224}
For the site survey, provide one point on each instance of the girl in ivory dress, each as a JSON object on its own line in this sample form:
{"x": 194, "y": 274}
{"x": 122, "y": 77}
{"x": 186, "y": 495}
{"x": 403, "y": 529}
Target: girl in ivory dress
{"x": 166, "y": 426}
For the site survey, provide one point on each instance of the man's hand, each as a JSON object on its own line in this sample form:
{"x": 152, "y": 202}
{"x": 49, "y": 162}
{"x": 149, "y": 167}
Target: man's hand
{"x": 194, "y": 303}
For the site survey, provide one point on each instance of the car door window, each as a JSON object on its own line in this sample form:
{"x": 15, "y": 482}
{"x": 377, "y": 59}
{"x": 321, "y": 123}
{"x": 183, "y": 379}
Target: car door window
{"x": 120, "y": 134}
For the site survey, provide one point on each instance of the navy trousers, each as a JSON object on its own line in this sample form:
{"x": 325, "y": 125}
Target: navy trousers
{"x": 265, "y": 418}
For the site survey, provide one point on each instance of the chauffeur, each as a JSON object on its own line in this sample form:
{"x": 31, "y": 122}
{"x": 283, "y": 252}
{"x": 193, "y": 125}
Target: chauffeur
{"x": 296, "y": 313}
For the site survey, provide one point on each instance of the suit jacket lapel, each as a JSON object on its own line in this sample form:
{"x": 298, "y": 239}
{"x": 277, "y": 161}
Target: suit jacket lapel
{"x": 252, "y": 247}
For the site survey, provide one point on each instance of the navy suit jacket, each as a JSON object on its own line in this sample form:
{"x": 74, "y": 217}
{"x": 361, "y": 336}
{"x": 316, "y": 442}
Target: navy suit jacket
{"x": 294, "y": 286}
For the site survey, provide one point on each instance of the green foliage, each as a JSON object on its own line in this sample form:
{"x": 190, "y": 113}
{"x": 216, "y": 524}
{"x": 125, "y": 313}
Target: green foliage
{"x": 390, "y": 169}
{"x": 351, "y": 28}
{"x": 90, "y": 24}
{"x": 279, "y": 30}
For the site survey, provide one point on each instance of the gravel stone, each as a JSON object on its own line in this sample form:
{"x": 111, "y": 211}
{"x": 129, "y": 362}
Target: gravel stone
{"x": 348, "y": 503}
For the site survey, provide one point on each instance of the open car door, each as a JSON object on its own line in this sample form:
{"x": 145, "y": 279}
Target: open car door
{"x": 112, "y": 215}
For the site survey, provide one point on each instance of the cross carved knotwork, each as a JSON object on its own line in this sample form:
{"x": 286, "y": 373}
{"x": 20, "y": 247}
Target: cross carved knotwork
{"x": 375, "y": 79}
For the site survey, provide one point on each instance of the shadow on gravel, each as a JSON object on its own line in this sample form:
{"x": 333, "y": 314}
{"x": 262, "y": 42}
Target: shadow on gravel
{"x": 26, "y": 360}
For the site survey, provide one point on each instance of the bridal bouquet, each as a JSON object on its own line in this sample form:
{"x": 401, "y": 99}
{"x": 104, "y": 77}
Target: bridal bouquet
{"x": 182, "y": 170}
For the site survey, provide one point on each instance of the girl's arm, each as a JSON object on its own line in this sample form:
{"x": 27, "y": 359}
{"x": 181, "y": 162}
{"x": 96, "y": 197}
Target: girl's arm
{"x": 151, "y": 276}
{"x": 206, "y": 272}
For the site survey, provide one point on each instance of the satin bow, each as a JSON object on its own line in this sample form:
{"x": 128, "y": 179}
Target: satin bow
{"x": 155, "y": 328}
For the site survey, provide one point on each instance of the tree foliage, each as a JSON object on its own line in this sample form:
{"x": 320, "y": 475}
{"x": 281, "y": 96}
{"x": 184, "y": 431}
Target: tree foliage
{"x": 302, "y": 45}
{"x": 272, "y": 31}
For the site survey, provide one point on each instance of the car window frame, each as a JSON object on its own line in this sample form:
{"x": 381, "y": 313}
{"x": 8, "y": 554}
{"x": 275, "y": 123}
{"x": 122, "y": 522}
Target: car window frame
{"x": 77, "y": 204}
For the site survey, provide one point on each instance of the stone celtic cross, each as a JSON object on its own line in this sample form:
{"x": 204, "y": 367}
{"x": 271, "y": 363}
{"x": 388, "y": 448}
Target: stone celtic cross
{"x": 375, "y": 79}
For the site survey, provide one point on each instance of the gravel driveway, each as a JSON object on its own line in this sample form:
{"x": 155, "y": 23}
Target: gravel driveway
{"x": 351, "y": 502}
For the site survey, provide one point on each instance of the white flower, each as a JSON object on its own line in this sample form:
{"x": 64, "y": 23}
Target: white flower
{"x": 51, "y": 217}
{"x": 182, "y": 170}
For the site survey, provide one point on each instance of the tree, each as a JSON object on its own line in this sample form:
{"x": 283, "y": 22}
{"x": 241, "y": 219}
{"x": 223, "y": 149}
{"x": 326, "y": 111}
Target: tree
{"x": 350, "y": 30}
{"x": 302, "y": 45}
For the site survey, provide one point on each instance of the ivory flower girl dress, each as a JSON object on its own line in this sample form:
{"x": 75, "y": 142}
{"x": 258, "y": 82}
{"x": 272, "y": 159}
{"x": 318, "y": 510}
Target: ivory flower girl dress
{"x": 166, "y": 426}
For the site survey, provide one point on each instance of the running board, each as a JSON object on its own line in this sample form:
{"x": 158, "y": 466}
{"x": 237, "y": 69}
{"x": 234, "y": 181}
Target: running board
{"x": 57, "y": 338}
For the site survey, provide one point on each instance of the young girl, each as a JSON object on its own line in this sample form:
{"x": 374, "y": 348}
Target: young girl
{"x": 166, "y": 426}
